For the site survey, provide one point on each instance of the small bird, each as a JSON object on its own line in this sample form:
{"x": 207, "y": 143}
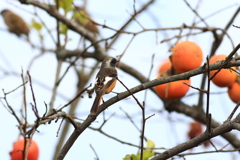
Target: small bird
{"x": 81, "y": 17}
{"x": 15, "y": 23}
{"x": 106, "y": 80}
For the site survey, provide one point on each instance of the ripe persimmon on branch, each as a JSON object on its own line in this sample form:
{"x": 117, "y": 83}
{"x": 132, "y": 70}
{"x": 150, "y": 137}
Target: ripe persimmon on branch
{"x": 76, "y": 37}
{"x": 144, "y": 86}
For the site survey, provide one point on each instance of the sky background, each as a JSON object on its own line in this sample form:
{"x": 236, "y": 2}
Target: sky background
{"x": 165, "y": 129}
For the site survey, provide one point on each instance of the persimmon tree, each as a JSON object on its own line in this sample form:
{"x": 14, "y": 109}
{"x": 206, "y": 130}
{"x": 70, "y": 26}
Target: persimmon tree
{"x": 63, "y": 52}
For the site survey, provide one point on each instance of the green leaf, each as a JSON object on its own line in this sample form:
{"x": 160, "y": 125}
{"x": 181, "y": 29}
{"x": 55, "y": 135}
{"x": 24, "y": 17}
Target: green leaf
{"x": 131, "y": 157}
{"x": 41, "y": 37}
{"x": 63, "y": 28}
{"x": 82, "y": 16}
{"x": 36, "y": 25}
{"x": 150, "y": 144}
{"x": 66, "y": 5}
{"x": 146, "y": 154}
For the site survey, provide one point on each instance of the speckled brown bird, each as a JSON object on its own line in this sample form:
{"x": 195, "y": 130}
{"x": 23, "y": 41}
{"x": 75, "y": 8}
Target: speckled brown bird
{"x": 106, "y": 80}
{"x": 15, "y": 23}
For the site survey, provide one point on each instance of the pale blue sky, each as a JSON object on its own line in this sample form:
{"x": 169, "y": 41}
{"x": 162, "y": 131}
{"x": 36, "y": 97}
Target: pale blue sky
{"x": 166, "y": 13}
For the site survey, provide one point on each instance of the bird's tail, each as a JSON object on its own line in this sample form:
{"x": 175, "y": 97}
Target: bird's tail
{"x": 96, "y": 104}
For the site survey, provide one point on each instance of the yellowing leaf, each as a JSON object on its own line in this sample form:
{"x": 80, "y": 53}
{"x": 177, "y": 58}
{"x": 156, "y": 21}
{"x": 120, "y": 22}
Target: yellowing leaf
{"x": 63, "y": 28}
{"x": 36, "y": 25}
{"x": 131, "y": 157}
{"x": 82, "y": 16}
{"x": 66, "y": 5}
{"x": 150, "y": 144}
{"x": 146, "y": 154}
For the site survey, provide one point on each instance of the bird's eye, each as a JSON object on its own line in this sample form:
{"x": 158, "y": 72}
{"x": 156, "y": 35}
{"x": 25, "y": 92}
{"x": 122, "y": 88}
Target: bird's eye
{"x": 114, "y": 60}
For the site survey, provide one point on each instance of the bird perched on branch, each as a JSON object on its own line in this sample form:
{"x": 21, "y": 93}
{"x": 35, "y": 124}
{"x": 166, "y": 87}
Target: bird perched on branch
{"x": 81, "y": 17}
{"x": 106, "y": 80}
{"x": 15, "y": 23}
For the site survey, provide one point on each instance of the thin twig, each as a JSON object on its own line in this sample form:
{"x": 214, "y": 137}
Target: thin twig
{"x": 143, "y": 131}
{"x": 232, "y": 113}
{"x": 201, "y": 90}
{"x": 217, "y": 12}
{"x": 131, "y": 93}
{"x": 77, "y": 96}
{"x": 143, "y": 8}
{"x": 55, "y": 86}
{"x": 126, "y": 47}
{"x": 6, "y": 93}
{"x": 213, "y": 145}
{"x": 150, "y": 116}
{"x": 179, "y": 35}
{"x": 24, "y": 103}
{"x": 236, "y": 26}
{"x": 58, "y": 26}
{"x": 44, "y": 24}
{"x": 134, "y": 6}
{"x": 118, "y": 140}
{"x": 11, "y": 110}
{"x": 196, "y": 13}
{"x": 224, "y": 151}
{"x": 59, "y": 127}
{"x": 224, "y": 146}
{"x": 208, "y": 116}
{"x": 25, "y": 148}
{"x": 97, "y": 158}
{"x": 184, "y": 35}
{"x": 33, "y": 96}
{"x": 137, "y": 21}
{"x": 129, "y": 117}
{"x": 149, "y": 74}
{"x": 106, "y": 120}
{"x": 193, "y": 23}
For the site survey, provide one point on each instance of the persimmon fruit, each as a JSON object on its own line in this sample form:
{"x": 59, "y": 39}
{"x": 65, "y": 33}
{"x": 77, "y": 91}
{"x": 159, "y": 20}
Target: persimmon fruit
{"x": 234, "y": 92}
{"x": 172, "y": 90}
{"x": 186, "y": 56}
{"x": 18, "y": 146}
{"x": 225, "y": 77}
{"x": 165, "y": 66}
{"x": 195, "y": 129}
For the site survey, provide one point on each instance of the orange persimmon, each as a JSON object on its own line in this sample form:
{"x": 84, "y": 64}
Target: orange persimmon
{"x": 195, "y": 129}
{"x": 165, "y": 66}
{"x": 172, "y": 90}
{"x": 234, "y": 92}
{"x": 186, "y": 56}
{"x": 225, "y": 77}
{"x": 33, "y": 151}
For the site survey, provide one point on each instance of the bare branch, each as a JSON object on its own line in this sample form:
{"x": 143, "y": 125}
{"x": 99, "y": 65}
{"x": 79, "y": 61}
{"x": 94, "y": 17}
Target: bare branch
{"x": 226, "y": 127}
